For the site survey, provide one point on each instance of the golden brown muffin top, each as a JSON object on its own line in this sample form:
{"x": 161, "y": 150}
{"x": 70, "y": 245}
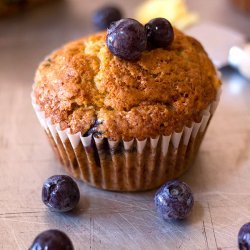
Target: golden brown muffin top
{"x": 85, "y": 87}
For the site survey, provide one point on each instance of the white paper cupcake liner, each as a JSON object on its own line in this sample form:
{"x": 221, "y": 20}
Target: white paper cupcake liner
{"x": 127, "y": 165}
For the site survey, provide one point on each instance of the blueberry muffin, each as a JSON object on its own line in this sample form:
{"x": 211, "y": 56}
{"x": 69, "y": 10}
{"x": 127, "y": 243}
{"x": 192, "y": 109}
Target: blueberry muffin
{"x": 126, "y": 125}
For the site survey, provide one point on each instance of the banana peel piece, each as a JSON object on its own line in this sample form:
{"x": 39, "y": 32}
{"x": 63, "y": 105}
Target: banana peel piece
{"x": 173, "y": 10}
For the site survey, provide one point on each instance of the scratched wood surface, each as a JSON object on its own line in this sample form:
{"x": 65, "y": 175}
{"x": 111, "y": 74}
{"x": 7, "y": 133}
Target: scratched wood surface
{"x": 105, "y": 220}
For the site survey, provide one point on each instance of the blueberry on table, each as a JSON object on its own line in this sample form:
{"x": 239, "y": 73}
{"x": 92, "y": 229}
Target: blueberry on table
{"x": 174, "y": 200}
{"x": 52, "y": 240}
{"x": 126, "y": 39}
{"x": 105, "y": 16}
{"x": 160, "y": 33}
{"x": 60, "y": 193}
{"x": 244, "y": 237}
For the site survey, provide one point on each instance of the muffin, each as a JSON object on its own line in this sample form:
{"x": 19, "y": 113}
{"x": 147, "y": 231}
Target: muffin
{"x": 243, "y": 5}
{"x": 126, "y": 125}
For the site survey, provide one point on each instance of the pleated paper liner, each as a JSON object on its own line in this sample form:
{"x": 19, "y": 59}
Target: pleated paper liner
{"x": 127, "y": 165}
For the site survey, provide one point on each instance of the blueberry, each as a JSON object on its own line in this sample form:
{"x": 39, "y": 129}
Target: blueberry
{"x": 105, "y": 16}
{"x": 160, "y": 33}
{"x": 93, "y": 130}
{"x": 244, "y": 237}
{"x": 51, "y": 240}
{"x": 60, "y": 193}
{"x": 174, "y": 200}
{"x": 126, "y": 39}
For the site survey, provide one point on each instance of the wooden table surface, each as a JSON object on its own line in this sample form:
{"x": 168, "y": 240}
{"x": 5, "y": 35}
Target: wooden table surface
{"x": 105, "y": 220}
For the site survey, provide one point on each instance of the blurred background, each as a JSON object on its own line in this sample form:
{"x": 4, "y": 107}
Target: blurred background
{"x": 30, "y": 29}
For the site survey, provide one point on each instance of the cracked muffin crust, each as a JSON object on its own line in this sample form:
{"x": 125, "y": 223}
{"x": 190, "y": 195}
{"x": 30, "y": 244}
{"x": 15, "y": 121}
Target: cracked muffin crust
{"x": 84, "y": 87}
